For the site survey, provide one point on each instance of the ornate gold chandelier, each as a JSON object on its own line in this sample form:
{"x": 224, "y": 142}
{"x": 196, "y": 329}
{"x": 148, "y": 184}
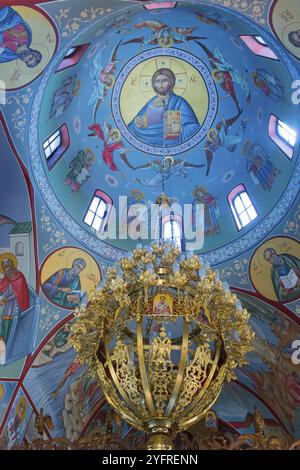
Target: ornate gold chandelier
{"x": 162, "y": 334}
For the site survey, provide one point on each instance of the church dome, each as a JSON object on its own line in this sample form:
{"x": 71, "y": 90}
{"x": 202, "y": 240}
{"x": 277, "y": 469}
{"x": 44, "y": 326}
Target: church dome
{"x": 228, "y": 84}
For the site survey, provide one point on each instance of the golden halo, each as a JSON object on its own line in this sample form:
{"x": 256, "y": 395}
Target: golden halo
{"x": 199, "y": 188}
{"x": 210, "y": 414}
{"x": 115, "y": 130}
{"x": 214, "y": 76}
{"x": 109, "y": 75}
{"x": 71, "y": 258}
{"x": 169, "y": 44}
{"x": 137, "y": 193}
{"x": 169, "y": 158}
{"x": 23, "y": 402}
{"x": 272, "y": 243}
{"x": 89, "y": 150}
{"x": 2, "y": 391}
{"x": 10, "y": 256}
{"x": 209, "y": 137}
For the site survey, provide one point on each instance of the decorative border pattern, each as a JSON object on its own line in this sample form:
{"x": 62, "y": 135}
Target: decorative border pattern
{"x": 211, "y": 89}
{"x": 217, "y": 256}
{"x": 19, "y": 115}
{"x": 71, "y": 25}
{"x": 254, "y": 8}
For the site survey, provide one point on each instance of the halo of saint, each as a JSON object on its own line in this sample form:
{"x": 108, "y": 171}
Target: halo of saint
{"x": 168, "y": 101}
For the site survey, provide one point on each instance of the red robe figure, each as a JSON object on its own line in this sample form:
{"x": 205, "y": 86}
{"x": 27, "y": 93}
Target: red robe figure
{"x": 112, "y": 145}
{"x": 14, "y": 289}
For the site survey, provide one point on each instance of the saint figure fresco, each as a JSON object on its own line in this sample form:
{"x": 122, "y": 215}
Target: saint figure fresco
{"x": 260, "y": 166}
{"x": 15, "y": 299}
{"x": 167, "y": 119}
{"x": 211, "y": 210}
{"x": 15, "y": 39}
{"x": 270, "y": 85}
{"x": 285, "y": 274}
{"x": 63, "y": 287}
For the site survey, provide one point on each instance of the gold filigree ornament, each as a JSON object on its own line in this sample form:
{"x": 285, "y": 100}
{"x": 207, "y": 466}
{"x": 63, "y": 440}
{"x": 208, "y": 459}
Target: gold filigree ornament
{"x": 162, "y": 365}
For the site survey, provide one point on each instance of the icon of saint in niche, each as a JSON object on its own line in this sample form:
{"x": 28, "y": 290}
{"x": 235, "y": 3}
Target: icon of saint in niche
{"x": 162, "y": 307}
{"x": 167, "y": 119}
{"x": 64, "y": 287}
{"x": 285, "y": 274}
{"x": 15, "y": 39}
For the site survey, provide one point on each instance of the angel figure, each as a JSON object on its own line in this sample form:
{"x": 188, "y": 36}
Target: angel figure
{"x": 165, "y": 169}
{"x": 103, "y": 77}
{"x": 162, "y": 34}
{"x": 112, "y": 145}
{"x": 220, "y": 136}
{"x": 226, "y": 75}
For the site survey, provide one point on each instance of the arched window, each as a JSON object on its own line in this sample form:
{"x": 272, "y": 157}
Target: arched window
{"x": 19, "y": 249}
{"x": 172, "y": 229}
{"x": 70, "y": 52}
{"x": 72, "y": 57}
{"x": 258, "y": 46}
{"x": 241, "y": 206}
{"x": 56, "y": 145}
{"x": 282, "y": 135}
{"x": 261, "y": 40}
{"x": 98, "y": 211}
{"x": 159, "y": 5}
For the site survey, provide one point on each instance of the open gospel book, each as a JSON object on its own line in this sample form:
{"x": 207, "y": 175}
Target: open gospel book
{"x": 290, "y": 280}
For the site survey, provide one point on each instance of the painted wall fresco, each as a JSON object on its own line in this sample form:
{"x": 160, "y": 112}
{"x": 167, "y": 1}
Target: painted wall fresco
{"x": 19, "y": 303}
{"x": 6, "y": 391}
{"x": 28, "y": 42}
{"x": 271, "y": 372}
{"x": 59, "y": 385}
{"x": 234, "y": 397}
{"x": 285, "y": 23}
{"x": 17, "y": 421}
{"x": 68, "y": 276}
{"x": 275, "y": 269}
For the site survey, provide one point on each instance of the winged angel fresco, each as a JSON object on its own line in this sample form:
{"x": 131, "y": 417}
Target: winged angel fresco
{"x": 162, "y": 34}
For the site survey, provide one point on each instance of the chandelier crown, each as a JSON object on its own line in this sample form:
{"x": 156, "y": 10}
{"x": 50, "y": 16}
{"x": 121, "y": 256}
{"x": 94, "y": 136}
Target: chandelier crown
{"x": 162, "y": 334}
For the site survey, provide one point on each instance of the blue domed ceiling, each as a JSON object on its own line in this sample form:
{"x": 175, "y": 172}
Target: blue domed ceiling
{"x": 226, "y": 94}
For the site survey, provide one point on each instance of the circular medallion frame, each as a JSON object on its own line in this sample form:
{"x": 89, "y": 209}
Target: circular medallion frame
{"x": 171, "y": 53}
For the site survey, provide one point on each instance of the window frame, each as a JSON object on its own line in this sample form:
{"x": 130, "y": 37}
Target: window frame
{"x": 286, "y": 147}
{"x": 18, "y": 252}
{"x": 108, "y": 202}
{"x": 64, "y": 144}
{"x": 72, "y": 59}
{"x": 169, "y": 218}
{"x": 159, "y": 5}
{"x": 234, "y": 212}
{"x": 256, "y": 46}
